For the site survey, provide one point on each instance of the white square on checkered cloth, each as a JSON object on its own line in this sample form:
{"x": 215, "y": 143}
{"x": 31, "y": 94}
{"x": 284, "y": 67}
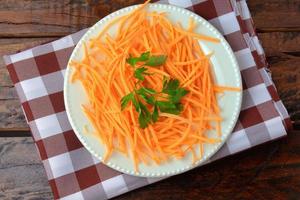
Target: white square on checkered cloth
{"x": 21, "y": 56}
{"x": 20, "y": 92}
{"x": 276, "y": 130}
{"x": 266, "y": 77}
{"x": 61, "y": 165}
{"x": 259, "y": 94}
{"x": 48, "y": 126}
{"x": 238, "y": 141}
{"x": 243, "y": 8}
{"x": 229, "y": 23}
{"x": 33, "y": 88}
{"x": 257, "y": 45}
{"x": 282, "y": 111}
{"x": 63, "y": 43}
{"x": 114, "y": 186}
{"x": 244, "y": 59}
{"x": 74, "y": 196}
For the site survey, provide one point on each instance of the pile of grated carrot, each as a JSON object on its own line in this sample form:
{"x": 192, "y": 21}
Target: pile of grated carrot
{"x": 106, "y": 78}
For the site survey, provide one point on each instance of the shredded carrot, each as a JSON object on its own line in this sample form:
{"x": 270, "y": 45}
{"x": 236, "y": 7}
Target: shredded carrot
{"x": 218, "y": 88}
{"x": 106, "y": 78}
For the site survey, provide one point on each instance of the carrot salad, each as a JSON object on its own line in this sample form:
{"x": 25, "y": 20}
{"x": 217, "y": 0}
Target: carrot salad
{"x": 150, "y": 87}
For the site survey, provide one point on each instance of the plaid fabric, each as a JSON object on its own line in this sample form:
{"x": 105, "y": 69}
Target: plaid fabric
{"x": 73, "y": 173}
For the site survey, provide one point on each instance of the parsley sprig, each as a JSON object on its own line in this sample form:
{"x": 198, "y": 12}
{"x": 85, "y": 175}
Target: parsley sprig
{"x": 146, "y": 101}
{"x": 149, "y": 60}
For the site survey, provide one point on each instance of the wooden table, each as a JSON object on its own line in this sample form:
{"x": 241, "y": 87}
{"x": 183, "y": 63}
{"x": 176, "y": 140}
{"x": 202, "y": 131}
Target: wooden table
{"x": 270, "y": 171}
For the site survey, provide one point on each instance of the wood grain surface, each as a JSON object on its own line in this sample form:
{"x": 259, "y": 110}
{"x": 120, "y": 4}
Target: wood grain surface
{"x": 270, "y": 171}
{"x": 275, "y": 15}
{"x": 22, "y": 173}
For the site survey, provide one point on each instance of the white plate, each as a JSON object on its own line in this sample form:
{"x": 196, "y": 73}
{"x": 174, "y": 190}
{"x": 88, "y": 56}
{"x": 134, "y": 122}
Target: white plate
{"x": 226, "y": 73}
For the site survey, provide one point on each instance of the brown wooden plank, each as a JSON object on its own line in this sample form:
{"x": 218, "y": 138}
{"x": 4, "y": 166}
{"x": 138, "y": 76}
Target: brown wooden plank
{"x": 273, "y": 14}
{"x": 59, "y": 18}
{"x": 5, "y": 81}
{"x": 48, "y": 18}
{"x": 276, "y": 43}
{"x": 8, "y": 93}
{"x": 15, "y": 132}
{"x": 270, "y": 171}
{"x": 22, "y": 173}
{"x": 11, "y": 115}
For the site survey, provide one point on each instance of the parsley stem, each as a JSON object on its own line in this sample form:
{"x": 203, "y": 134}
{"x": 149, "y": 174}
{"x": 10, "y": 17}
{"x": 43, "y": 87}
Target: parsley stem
{"x": 146, "y": 99}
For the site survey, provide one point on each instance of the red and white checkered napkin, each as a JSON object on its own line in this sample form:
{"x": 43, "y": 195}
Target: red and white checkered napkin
{"x": 72, "y": 171}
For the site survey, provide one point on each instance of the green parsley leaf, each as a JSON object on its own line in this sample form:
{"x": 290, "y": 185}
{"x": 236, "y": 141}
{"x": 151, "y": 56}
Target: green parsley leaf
{"x": 149, "y": 99}
{"x": 163, "y": 105}
{"x": 144, "y": 56}
{"x": 136, "y": 104}
{"x": 155, "y": 61}
{"x": 155, "y": 114}
{"x": 132, "y": 60}
{"x": 152, "y": 61}
{"x": 126, "y": 99}
{"x": 170, "y": 85}
{"x": 165, "y": 81}
{"x": 144, "y": 116}
{"x": 177, "y": 95}
{"x": 139, "y": 73}
{"x": 146, "y": 94}
{"x": 172, "y": 88}
{"x": 168, "y": 107}
{"x": 170, "y": 111}
{"x": 144, "y": 90}
{"x": 143, "y": 123}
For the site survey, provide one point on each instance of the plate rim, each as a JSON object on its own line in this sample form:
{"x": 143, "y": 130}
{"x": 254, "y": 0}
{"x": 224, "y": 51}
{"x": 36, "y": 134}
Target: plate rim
{"x": 235, "y": 114}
